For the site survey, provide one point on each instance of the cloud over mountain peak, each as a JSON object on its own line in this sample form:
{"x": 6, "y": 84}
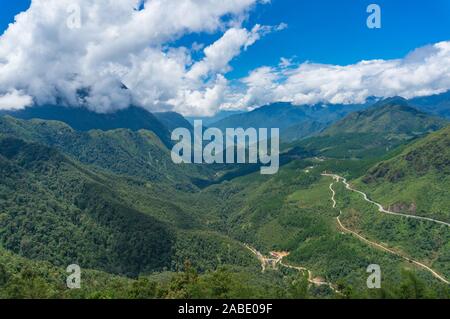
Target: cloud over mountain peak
{"x": 59, "y": 47}
{"x": 84, "y": 52}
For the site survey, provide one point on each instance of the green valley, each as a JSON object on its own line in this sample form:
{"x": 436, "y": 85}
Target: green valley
{"x": 141, "y": 226}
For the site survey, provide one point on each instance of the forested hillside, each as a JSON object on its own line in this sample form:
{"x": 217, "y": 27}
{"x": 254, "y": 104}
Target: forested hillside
{"x": 293, "y": 212}
{"x": 82, "y": 119}
{"x": 418, "y": 180}
{"x": 224, "y": 149}
{"x": 375, "y": 131}
{"x": 140, "y": 154}
{"x": 56, "y": 209}
{"x": 114, "y": 203}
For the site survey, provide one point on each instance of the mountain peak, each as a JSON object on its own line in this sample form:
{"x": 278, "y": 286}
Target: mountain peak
{"x": 173, "y": 120}
{"x": 397, "y": 100}
{"x": 393, "y": 115}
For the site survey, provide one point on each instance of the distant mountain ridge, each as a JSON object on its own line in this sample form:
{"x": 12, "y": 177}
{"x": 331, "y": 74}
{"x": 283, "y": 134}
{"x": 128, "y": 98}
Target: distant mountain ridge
{"x": 173, "y": 120}
{"x": 298, "y": 122}
{"x": 438, "y": 104}
{"x": 207, "y": 121}
{"x": 294, "y": 122}
{"x": 82, "y": 119}
{"x": 374, "y": 131}
{"x": 280, "y": 115}
{"x": 393, "y": 115}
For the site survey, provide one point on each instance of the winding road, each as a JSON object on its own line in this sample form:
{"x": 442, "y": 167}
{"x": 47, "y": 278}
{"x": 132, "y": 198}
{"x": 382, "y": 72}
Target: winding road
{"x": 277, "y": 257}
{"x": 377, "y": 245}
{"x": 381, "y": 209}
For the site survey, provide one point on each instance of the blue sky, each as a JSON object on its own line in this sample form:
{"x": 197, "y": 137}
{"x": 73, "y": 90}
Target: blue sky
{"x": 328, "y": 31}
{"x": 335, "y": 31}
{"x": 240, "y": 66}
{"x": 9, "y": 10}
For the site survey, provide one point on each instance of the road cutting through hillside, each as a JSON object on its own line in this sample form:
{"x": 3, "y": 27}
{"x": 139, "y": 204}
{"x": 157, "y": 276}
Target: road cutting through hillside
{"x": 277, "y": 259}
{"x": 374, "y": 244}
{"x": 381, "y": 209}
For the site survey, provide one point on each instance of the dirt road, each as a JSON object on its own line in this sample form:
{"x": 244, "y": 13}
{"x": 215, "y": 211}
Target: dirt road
{"x": 277, "y": 259}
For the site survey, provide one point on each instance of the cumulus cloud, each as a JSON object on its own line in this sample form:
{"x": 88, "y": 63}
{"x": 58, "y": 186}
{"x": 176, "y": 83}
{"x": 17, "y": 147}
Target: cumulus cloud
{"x": 220, "y": 53}
{"x": 14, "y": 100}
{"x": 108, "y": 54}
{"x": 425, "y": 71}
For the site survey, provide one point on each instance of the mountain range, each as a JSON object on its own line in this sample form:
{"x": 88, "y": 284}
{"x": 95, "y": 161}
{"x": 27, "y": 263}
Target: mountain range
{"x": 294, "y": 122}
{"x": 82, "y": 119}
{"x": 373, "y": 131}
{"x": 438, "y": 104}
{"x": 101, "y": 191}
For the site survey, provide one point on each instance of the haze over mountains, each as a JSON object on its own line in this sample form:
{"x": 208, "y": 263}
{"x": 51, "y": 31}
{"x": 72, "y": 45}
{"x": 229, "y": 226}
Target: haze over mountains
{"x": 289, "y": 118}
{"x": 438, "y": 104}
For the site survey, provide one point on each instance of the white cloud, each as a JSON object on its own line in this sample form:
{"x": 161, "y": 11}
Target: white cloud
{"x": 14, "y": 100}
{"x": 44, "y": 61}
{"x": 221, "y": 52}
{"x": 425, "y": 71}
{"x": 204, "y": 102}
{"x": 118, "y": 44}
